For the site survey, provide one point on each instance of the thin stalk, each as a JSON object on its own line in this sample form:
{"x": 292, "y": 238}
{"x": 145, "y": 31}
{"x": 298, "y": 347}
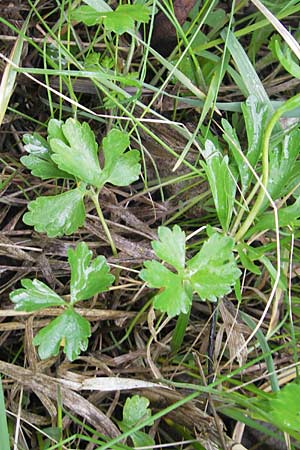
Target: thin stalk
{"x": 243, "y": 210}
{"x": 130, "y": 327}
{"x": 95, "y": 200}
{"x": 59, "y": 417}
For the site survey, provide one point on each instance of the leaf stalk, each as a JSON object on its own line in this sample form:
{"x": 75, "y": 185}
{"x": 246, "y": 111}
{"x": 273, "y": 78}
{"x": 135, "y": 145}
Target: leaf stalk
{"x": 95, "y": 200}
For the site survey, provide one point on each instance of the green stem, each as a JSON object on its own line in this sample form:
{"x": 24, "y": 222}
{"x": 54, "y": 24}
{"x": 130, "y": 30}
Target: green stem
{"x": 95, "y": 199}
{"x": 243, "y": 210}
{"x": 292, "y": 103}
{"x": 130, "y": 327}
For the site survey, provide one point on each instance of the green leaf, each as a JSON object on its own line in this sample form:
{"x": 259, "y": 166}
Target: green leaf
{"x": 120, "y": 169}
{"x": 35, "y": 295}
{"x": 255, "y": 116}
{"x": 39, "y": 159}
{"x": 121, "y": 20}
{"x": 221, "y": 182}
{"x": 171, "y": 247}
{"x": 88, "y": 15}
{"x": 57, "y": 215}
{"x": 282, "y": 164}
{"x": 35, "y": 144}
{"x": 69, "y": 330}
{"x": 286, "y": 216}
{"x": 80, "y": 156}
{"x": 175, "y": 296}
{"x": 136, "y": 410}
{"x": 55, "y": 130}
{"x": 286, "y": 59}
{"x": 245, "y": 259}
{"x": 285, "y": 408}
{"x": 248, "y": 73}
{"x": 87, "y": 277}
{"x": 213, "y": 271}
{"x": 98, "y": 5}
{"x": 234, "y": 144}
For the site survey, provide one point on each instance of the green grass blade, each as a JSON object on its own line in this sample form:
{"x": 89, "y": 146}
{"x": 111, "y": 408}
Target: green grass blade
{"x": 266, "y": 350}
{"x": 3, "y": 423}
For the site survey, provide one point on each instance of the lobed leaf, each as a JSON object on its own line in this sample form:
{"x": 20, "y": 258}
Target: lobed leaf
{"x": 35, "y": 144}
{"x": 39, "y": 160}
{"x": 57, "y": 215}
{"x": 80, "y": 155}
{"x": 55, "y": 130}
{"x": 35, "y": 295}
{"x": 120, "y": 168}
{"x": 171, "y": 246}
{"x": 174, "y": 296}
{"x": 213, "y": 271}
{"x": 87, "y": 15}
{"x": 123, "y": 19}
{"x": 120, "y": 21}
{"x": 135, "y": 410}
{"x": 87, "y": 277}
{"x": 69, "y": 330}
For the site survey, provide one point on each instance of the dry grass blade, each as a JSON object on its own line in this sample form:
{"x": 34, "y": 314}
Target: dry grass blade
{"x": 116, "y": 384}
{"x": 9, "y": 73}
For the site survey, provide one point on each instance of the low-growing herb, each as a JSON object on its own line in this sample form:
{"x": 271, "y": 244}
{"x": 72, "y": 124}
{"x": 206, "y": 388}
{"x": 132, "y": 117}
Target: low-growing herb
{"x": 210, "y": 273}
{"x": 71, "y": 152}
{"x": 69, "y": 330}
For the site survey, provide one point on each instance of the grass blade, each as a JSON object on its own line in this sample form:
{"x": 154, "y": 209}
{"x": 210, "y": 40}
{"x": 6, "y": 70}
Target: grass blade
{"x": 3, "y": 423}
{"x": 10, "y": 73}
{"x": 289, "y": 39}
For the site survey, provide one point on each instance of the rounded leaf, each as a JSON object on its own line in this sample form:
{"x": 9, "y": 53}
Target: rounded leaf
{"x": 57, "y": 215}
